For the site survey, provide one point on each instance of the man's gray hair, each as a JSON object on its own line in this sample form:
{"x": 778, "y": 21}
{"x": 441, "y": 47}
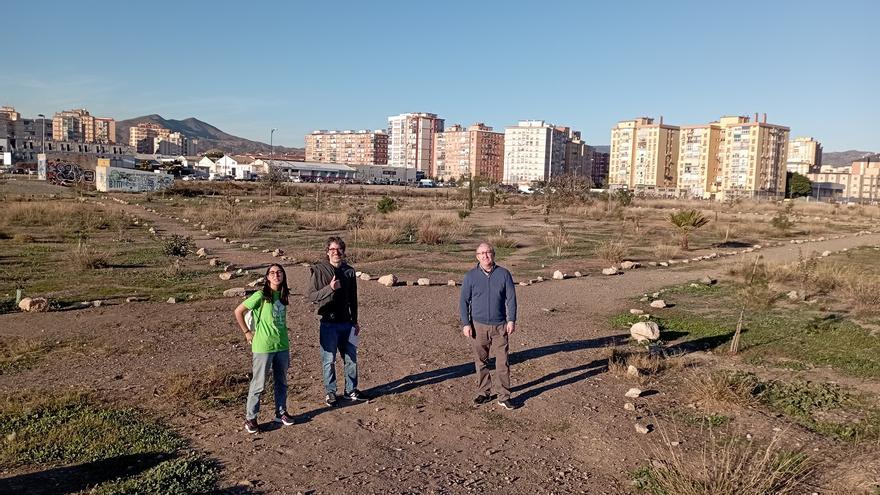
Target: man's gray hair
{"x": 488, "y": 245}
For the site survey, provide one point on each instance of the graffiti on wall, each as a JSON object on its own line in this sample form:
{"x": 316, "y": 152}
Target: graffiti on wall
{"x": 68, "y": 174}
{"x": 137, "y": 181}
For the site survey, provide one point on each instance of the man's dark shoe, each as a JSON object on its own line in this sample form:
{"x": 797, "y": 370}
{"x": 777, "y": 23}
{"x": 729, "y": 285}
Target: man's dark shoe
{"x": 355, "y": 395}
{"x": 251, "y": 426}
{"x": 285, "y": 419}
{"x": 506, "y": 404}
{"x": 330, "y": 399}
{"x": 482, "y": 399}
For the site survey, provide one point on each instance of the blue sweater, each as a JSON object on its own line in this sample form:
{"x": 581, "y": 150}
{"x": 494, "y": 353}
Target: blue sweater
{"x": 487, "y": 299}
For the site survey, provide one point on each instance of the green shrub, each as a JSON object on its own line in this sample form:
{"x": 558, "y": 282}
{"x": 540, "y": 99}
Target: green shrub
{"x": 462, "y": 214}
{"x": 386, "y": 205}
{"x": 177, "y": 245}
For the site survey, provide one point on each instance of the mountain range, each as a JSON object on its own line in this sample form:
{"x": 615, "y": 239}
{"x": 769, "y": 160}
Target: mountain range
{"x": 844, "y": 157}
{"x": 209, "y": 136}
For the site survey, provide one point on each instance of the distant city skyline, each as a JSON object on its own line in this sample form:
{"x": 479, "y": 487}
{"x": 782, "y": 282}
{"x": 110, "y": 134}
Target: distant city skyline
{"x": 810, "y": 66}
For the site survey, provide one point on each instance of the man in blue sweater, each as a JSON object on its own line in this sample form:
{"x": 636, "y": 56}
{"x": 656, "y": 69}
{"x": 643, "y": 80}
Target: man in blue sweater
{"x": 488, "y": 316}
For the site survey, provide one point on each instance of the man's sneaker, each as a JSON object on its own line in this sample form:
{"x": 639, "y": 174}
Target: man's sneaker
{"x": 506, "y": 404}
{"x": 251, "y": 426}
{"x": 355, "y": 395}
{"x": 285, "y": 419}
{"x": 482, "y": 399}
{"x": 330, "y": 399}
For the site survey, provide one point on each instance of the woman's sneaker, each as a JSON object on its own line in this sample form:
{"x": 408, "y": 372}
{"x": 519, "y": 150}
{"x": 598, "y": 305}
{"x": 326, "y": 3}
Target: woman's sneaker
{"x": 251, "y": 426}
{"x": 285, "y": 419}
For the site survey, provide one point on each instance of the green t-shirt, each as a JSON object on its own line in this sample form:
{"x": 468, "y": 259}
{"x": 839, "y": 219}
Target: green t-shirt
{"x": 271, "y": 323}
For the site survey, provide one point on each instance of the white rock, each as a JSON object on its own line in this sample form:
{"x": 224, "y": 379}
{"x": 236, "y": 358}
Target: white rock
{"x": 452, "y": 283}
{"x": 202, "y": 252}
{"x": 277, "y": 253}
{"x": 629, "y": 265}
{"x": 659, "y": 303}
{"x": 227, "y": 275}
{"x": 558, "y": 275}
{"x": 793, "y": 295}
{"x": 629, "y": 406}
{"x": 235, "y": 292}
{"x": 423, "y": 281}
{"x": 257, "y": 282}
{"x": 388, "y": 280}
{"x": 632, "y": 371}
{"x": 825, "y": 254}
{"x": 636, "y": 311}
{"x": 642, "y": 428}
{"x": 34, "y": 304}
{"x": 645, "y": 330}
{"x": 364, "y": 276}
{"x": 213, "y": 262}
{"x": 633, "y": 393}
{"x": 578, "y": 274}
{"x": 610, "y": 271}
{"x": 171, "y": 300}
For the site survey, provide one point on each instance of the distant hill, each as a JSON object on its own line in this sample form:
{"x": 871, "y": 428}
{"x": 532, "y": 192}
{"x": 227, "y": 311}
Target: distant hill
{"x": 603, "y": 148}
{"x": 209, "y": 136}
{"x": 843, "y": 157}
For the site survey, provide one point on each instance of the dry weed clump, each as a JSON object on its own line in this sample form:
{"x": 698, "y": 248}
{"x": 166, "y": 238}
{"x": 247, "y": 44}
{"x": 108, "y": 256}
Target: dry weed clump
{"x": 722, "y": 387}
{"x": 502, "y": 241}
{"x": 862, "y": 292}
{"x": 663, "y": 252}
{"x": 215, "y": 386}
{"x": 557, "y": 238}
{"x": 367, "y": 255}
{"x": 376, "y": 234}
{"x": 728, "y": 466}
{"x": 612, "y": 251}
{"x": 23, "y": 238}
{"x": 647, "y": 363}
{"x": 86, "y": 257}
{"x": 322, "y": 220}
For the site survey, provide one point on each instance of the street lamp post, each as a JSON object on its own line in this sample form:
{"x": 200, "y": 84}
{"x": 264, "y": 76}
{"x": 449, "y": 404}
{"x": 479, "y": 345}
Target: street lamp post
{"x": 271, "y": 143}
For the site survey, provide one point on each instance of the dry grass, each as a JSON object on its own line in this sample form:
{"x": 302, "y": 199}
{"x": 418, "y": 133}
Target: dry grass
{"x": 375, "y": 234}
{"x": 648, "y": 364}
{"x": 322, "y": 221}
{"x": 216, "y": 386}
{"x": 727, "y": 467}
{"x": 23, "y": 238}
{"x": 663, "y": 252}
{"x": 862, "y": 292}
{"x": 86, "y": 257}
{"x": 557, "y": 239}
{"x": 502, "y": 241}
{"x": 611, "y": 251}
{"x": 719, "y": 387}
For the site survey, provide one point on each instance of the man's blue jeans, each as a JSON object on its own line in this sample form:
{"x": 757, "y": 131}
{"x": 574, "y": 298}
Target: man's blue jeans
{"x": 334, "y": 337}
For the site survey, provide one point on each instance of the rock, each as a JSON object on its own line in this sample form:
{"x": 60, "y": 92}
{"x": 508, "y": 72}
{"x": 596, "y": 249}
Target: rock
{"x": 277, "y": 253}
{"x": 644, "y": 299}
{"x": 227, "y": 276}
{"x": 423, "y": 281}
{"x": 452, "y": 283}
{"x": 558, "y": 275}
{"x": 636, "y": 311}
{"x": 135, "y": 299}
{"x": 213, "y": 262}
{"x": 257, "y": 282}
{"x": 171, "y": 300}
{"x": 826, "y": 254}
{"x": 663, "y": 263}
{"x": 645, "y": 330}
{"x": 97, "y": 303}
{"x": 793, "y": 295}
{"x": 578, "y": 274}
{"x": 364, "y": 276}
{"x": 202, "y": 252}
{"x": 633, "y": 393}
{"x": 235, "y": 292}
{"x": 539, "y": 279}
{"x": 152, "y": 230}
{"x": 658, "y": 303}
{"x": 629, "y": 406}
{"x": 388, "y": 280}
{"x": 642, "y": 428}
{"x": 34, "y": 304}
{"x": 610, "y": 271}
{"x": 246, "y": 246}
{"x": 629, "y": 265}
{"x": 708, "y": 281}
{"x": 632, "y": 371}
{"x": 230, "y": 268}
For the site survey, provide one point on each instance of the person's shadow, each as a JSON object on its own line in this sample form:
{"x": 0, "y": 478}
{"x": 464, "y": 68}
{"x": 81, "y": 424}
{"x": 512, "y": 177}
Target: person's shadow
{"x": 432, "y": 377}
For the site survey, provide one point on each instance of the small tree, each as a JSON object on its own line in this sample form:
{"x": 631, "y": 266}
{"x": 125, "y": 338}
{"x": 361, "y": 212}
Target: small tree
{"x": 687, "y": 221}
{"x": 272, "y": 180}
{"x": 783, "y": 220}
{"x": 386, "y": 205}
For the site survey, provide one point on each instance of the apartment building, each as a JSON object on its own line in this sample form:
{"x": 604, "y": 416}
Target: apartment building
{"x": 347, "y": 147}
{"x": 804, "y": 155}
{"x": 534, "y": 150}
{"x": 79, "y": 126}
{"x": 143, "y": 136}
{"x": 461, "y": 152}
{"x": 752, "y": 158}
{"x": 861, "y": 182}
{"x": 598, "y": 166}
{"x": 698, "y": 159}
{"x": 174, "y": 144}
{"x": 411, "y": 142}
{"x": 644, "y": 156}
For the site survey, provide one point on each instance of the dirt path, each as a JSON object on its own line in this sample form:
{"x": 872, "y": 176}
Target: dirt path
{"x": 420, "y": 434}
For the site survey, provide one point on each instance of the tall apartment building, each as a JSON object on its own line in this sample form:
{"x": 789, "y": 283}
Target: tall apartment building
{"x": 79, "y": 126}
{"x": 411, "y": 144}
{"x": 804, "y": 155}
{"x": 347, "y": 147}
{"x": 698, "y": 159}
{"x": 644, "y": 155}
{"x": 476, "y": 150}
{"x": 142, "y": 136}
{"x": 174, "y": 144}
{"x": 752, "y": 158}
{"x": 598, "y": 166}
{"x": 533, "y": 151}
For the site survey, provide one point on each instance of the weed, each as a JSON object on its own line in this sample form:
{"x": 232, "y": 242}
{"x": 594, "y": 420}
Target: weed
{"x": 612, "y": 251}
{"x": 501, "y": 241}
{"x": 20, "y": 354}
{"x": 177, "y": 245}
{"x": 663, "y": 252}
{"x": 85, "y": 257}
{"x": 183, "y": 475}
{"x": 557, "y": 239}
{"x": 386, "y": 205}
{"x": 211, "y": 388}
{"x": 462, "y": 214}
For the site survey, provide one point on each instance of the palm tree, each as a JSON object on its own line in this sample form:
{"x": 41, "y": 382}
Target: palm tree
{"x": 686, "y": 221}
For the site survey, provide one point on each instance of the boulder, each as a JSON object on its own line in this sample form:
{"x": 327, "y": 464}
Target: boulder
{"x": 645, "y": 331}
{"x": 658, "y": 303}
{"x": 610, "y": 271}
{"x": 277, "y": 253}
{"x": 707, "y": 280}
{"x": 558, "y": 275}
{"x": 636, "y": 312}
{"x": 423, "y": 281}
{"x": 578, "y": 274}
{"x": 235, "y": 292}
{"x": 644, "y": 430}
{"x": 213, "y": 262}
{"x": 202, "y": 252}
{"x": 171, "y": 300}
{"x": 364, "y": 276}
{"x": 388, "y": 280}
{"x": 632, "y": 371}
{"x": 633, "y": 393}
{"x": 452, "y": 283}
{"x": 227, "y": 276}
{"x": 629, "y": 265}
{"x": 34, "y": 304}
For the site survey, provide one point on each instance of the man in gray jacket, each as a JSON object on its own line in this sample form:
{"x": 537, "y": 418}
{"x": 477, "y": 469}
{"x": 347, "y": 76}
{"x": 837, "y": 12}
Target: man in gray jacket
{"x": 487, "y": 307}
{"x": 333, "y": 288}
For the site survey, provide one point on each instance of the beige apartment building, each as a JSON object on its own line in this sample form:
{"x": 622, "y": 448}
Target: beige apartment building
{"x": 861, "y": 182}
{"x": 142, "y": 136}
{"x": 698, "y": 159}
{"x": 347, "y": 147}
{"x": 78, "y": 126}
{"x": 644, "y": 156}
{"x": 411, "y": 142}
{"x": 752, "y": 158}
{"x": 804, "y": 155}
{"x": 460, "y": 152}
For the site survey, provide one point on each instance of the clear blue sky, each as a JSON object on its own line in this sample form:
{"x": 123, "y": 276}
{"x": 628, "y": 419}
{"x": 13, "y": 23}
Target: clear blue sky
{"x": 246, "y": 67}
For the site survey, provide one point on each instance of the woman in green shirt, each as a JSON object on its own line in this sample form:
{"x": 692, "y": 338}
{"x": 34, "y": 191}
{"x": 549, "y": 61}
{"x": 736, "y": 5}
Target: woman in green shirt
{"x": 269, "y": 344}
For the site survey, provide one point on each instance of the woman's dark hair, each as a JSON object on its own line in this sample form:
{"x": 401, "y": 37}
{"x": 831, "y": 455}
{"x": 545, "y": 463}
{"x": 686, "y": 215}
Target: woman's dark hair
{"x": 267, "y": 287}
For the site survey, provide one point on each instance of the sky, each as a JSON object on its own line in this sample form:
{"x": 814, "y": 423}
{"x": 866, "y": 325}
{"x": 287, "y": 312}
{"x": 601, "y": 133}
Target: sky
{"x": 248, "y": 67}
